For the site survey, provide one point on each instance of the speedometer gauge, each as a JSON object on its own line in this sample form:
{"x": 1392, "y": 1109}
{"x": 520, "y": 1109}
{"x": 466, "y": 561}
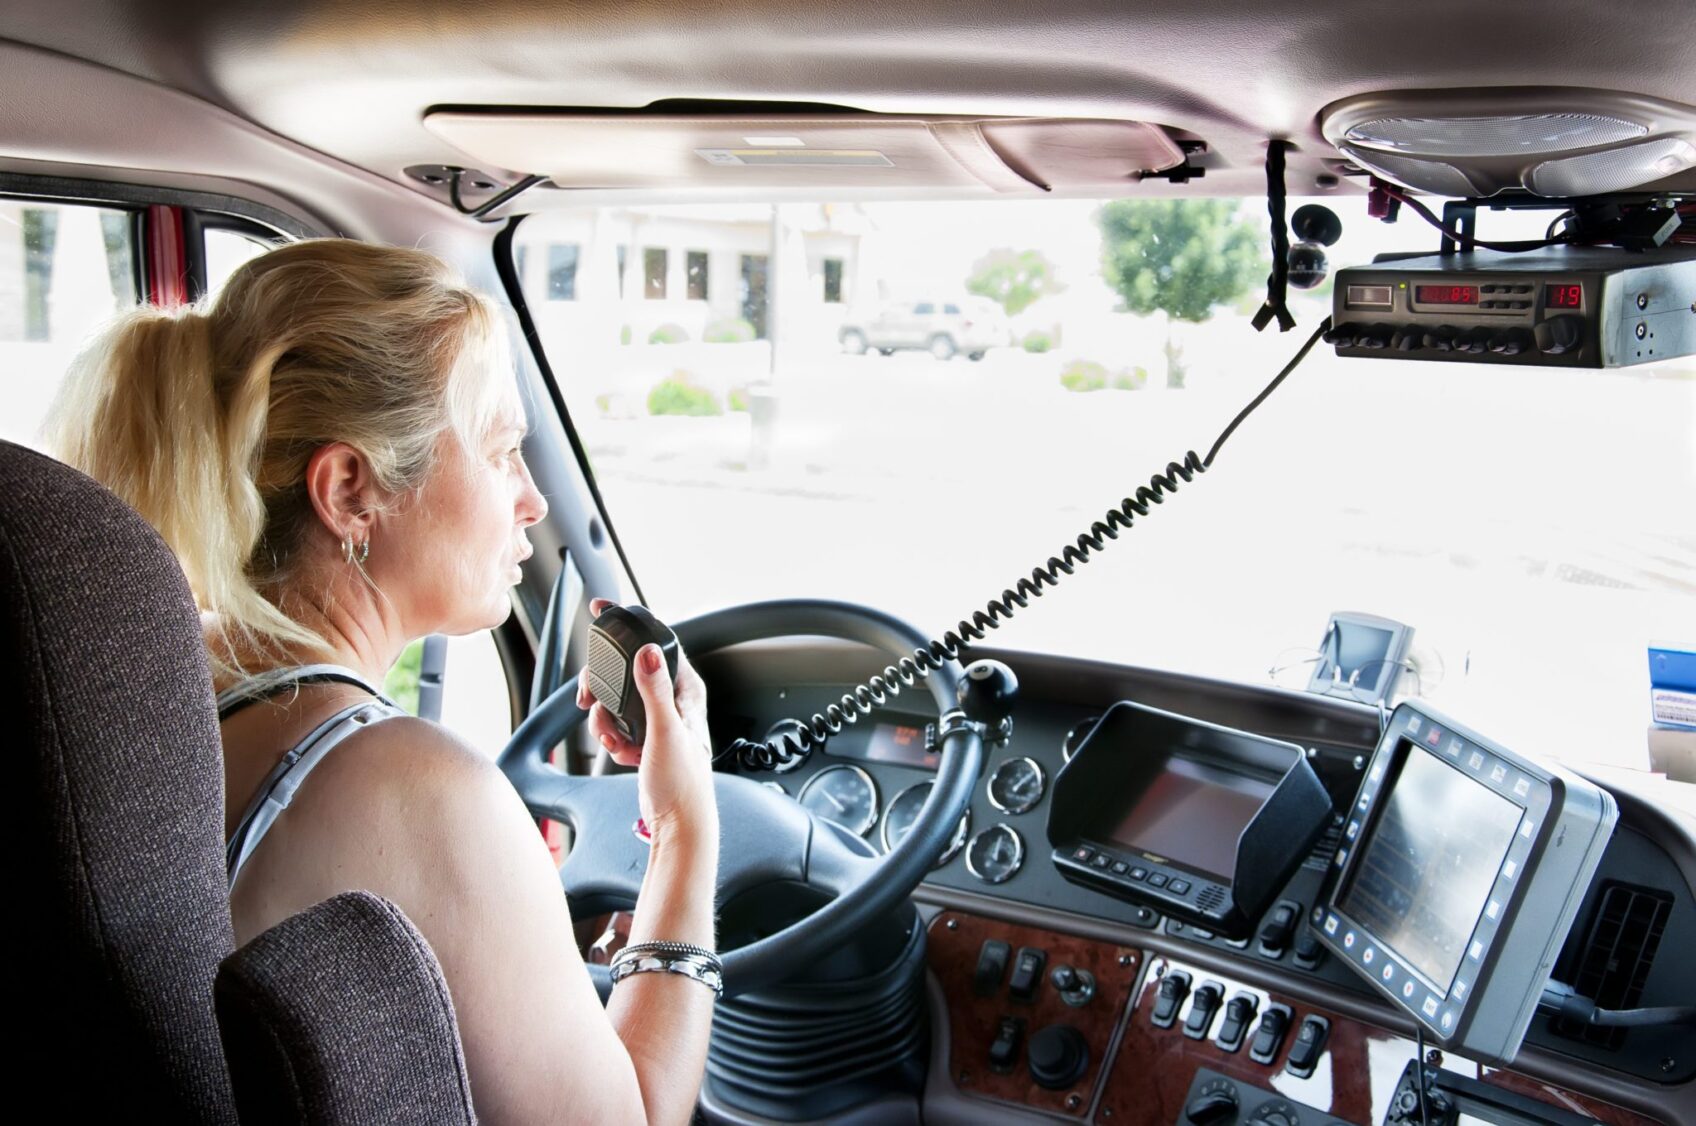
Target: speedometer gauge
{"x": 995, "y": 854}
{"x": 1016, "y": 785}
{"x": 904, "y": 810}
{"x": 844, "y": 795}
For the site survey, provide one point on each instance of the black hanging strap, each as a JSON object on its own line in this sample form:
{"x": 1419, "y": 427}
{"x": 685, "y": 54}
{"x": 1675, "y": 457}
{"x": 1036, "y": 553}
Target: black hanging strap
{"x": 1277, "y": 283}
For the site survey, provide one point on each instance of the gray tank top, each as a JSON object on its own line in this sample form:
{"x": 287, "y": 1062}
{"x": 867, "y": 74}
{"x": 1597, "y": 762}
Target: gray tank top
{"x": 278, "y": 789}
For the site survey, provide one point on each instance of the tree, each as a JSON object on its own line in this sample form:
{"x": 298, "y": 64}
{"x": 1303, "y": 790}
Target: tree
{"x": 1179, "y": 257}
{"x": 1013, "y": 279}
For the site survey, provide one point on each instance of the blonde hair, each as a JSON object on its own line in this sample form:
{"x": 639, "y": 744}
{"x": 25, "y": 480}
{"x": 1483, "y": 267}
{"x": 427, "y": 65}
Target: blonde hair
{"x": 204, "y": 419}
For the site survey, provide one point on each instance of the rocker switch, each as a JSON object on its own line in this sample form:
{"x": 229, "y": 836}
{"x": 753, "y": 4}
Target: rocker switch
{"x": 1004, "y": 1050}
{"x": 1238, "y": 1013}
{"x": 1202, "y": 1007}
{"x": 1174, "y": 987}
{"x": 1027, "y": 973}
{"x": 992, "y": 967}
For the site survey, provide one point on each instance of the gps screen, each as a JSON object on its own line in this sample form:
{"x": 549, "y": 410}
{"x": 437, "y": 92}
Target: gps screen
{"x": 1193, "y": 814}
{"x": 1429, "y": 863}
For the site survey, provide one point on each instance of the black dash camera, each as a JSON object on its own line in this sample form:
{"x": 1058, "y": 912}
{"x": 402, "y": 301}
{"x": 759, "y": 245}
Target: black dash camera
{"x": 614, "y": 640}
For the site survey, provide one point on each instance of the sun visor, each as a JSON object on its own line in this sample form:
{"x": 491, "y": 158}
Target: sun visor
{"x": 808, "y": 151}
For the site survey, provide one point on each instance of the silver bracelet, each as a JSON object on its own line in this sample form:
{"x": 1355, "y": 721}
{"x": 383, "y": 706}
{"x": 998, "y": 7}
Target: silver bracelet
{"x": 696, "y": 963}
{"x": 635, "y": 949}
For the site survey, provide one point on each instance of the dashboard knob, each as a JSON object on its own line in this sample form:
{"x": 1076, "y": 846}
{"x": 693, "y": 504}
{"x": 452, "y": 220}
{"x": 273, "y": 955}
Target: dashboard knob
{"x": 1058, "y": 1056}
{"x": 988, "y": 692}
{"x": 1342, "y": 336}
{"x": 1441, "y": 339}
{"x": 1408, "y": 338}
{"x": 1475, "y": 341}
{"x": 1512, "y": 342}
{"x": 1374, "y": 337}
{"x": 1212, "y": 1107}
{"x": 1560, "y": 334}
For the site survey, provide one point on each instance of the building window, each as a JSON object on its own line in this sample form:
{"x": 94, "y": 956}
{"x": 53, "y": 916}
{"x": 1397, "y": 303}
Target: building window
{"x": 562, "y": 272}
{"x": 653, "y": 273}
{"x": 623, "y": 260}
{"x": 833, "y": 280}
{"x": 696, "y": 275}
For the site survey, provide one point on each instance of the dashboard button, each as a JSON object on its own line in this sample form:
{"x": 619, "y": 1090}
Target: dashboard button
{"x": 1027, "y": 973}
{"x": 1309, "y": 1045}
{"x": 1238, "y": 1013}
{"x": 1178, "y": 887}
{"x": 1120, "y": 867}
{"x": 1139, "y": 873}
{"x": 1004, "y": 1050}
{"x": 1203, "y": 1005}
{"x": 1269, "y": 1036}
{"x": 992, "y": 967}
{"x": 1169, "y": 998}
{"x": 1157, "y": 879}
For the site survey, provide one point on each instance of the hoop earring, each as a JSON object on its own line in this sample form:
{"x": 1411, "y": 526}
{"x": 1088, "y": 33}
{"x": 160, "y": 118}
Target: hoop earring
{"x": 353, "y": 553}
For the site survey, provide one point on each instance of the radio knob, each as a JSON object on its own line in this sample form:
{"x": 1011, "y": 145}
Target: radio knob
{"x": 1342, "y": 336}
{"x": 1512, "y": 342}
{"x": 1374, "y": 337}
{"x": 1560, "y": 334}
{"x": 1408, "y": 338}
{"x": 1475, "y": 341}
{"x": 1441, "y": 339}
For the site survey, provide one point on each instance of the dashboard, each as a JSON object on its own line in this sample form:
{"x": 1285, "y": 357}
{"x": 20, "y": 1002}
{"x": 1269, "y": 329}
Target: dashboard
{"x": 1269, "y": 1019}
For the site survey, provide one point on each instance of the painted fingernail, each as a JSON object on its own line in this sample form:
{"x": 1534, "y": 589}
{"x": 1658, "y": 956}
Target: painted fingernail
{"x": 650, "y": 658}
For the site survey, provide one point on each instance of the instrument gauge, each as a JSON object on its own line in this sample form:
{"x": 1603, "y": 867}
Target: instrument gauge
{"x": 995, "y": 854}
{"x": 1076, "y": 736}
{"x": 843, "y": 795}
{"x": 904, "y": 810}
{"x": 1016, "y": 785}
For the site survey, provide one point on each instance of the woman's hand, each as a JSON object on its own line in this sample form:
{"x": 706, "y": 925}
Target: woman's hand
{"x": 674, "y": 764}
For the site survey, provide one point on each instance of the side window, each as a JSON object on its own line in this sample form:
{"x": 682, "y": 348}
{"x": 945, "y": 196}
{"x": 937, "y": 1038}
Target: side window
{"x": 951, "y": 310}
{"x": 227, "y": 250}
{"x": 696, "y": 274}
{"x": 562, "y": 272}
{"x": 653, "y": 272}
{"x": 923, "y": 309}
{"x": 64, "y": 268}
{"x": 833, "y": 281}
{"x": 472, "y": 701}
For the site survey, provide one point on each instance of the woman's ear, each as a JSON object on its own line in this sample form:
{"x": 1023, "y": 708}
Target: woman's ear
{"x": 343, "y": 491}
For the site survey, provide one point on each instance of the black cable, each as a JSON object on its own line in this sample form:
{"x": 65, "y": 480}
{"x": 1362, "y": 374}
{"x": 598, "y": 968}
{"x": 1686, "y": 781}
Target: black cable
{"x": 865, "y": 698}
{"x": 518, "y": 188}
{"x": 1419, "y": 1086}
{"x": 1518, "y": 247}
{"x": 1277, "y": 283}
{"x": 1569, "y": 1004}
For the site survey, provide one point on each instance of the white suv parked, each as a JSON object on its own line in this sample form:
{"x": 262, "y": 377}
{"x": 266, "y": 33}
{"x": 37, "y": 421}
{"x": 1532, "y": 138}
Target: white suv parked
{"x": 942, "y": 328}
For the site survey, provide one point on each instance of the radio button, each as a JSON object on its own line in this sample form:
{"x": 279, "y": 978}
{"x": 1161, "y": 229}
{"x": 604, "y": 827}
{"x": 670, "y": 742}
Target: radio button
{"x": 1560, "y": 334}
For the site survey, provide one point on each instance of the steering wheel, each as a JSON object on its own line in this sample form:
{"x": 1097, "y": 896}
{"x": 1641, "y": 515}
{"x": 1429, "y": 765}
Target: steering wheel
{"x": 764, "y": 836}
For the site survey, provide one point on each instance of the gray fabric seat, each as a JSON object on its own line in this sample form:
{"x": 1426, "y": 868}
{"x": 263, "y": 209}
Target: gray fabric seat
{"x": 121, "y": 917}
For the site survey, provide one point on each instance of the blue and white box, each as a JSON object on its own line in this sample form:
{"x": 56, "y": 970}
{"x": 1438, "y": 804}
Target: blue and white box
{"x": 1672, "y": 685}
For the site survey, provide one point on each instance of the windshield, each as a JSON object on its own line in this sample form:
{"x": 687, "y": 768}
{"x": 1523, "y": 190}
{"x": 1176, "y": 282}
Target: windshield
{"x": 911, "y": 405}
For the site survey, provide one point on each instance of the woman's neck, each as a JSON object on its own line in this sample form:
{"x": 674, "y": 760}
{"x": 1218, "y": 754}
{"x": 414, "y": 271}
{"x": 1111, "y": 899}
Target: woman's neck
{"x": 355, "y": 635}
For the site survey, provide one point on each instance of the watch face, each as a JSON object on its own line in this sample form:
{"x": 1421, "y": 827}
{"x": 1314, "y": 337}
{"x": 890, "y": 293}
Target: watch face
{"x": 844, "y": 795}
{"x": 1016, "y": 785}
{"x": 904, "y": 810}
{"x": 995, "y": 854}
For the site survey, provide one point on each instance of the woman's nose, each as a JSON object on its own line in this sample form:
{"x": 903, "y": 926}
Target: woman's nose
{"x": 532, "y": 505}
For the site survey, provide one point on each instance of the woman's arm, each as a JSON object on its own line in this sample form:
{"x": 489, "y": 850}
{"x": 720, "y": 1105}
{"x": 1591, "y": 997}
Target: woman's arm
{"x": 408, "y": 811}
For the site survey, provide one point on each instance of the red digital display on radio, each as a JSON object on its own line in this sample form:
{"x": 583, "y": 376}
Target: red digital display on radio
{"x": 1446, "y": 294}
{"x": 1566, "y": 296}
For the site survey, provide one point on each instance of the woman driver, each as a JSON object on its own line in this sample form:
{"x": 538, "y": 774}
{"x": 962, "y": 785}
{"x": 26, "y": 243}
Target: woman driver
{"x": 331, "y": 448}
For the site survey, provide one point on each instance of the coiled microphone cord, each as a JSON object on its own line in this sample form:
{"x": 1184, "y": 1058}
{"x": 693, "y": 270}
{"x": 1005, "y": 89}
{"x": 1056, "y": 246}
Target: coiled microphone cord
{"x": 797, "y": 741}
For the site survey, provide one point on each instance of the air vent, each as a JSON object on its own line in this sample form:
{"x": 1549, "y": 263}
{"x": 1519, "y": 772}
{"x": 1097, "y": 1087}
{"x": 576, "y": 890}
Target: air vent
{"x": 1612, "y": 963}
{"x": 1320, "y": 858}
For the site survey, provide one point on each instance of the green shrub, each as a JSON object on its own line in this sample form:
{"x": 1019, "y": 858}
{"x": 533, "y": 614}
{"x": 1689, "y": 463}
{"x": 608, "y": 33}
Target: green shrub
{"x": 603, "y": 402}
{"x": 401, "y": 683}
{"x": 732, "y": 330}
{"x": 668, "y": 334}
{"x": 1083, "y": 375}
{"x": 680, "y": 395}
{"x": 624, "y": 334}
{"x": 1131, "y": 379}
{"x": 737, "y": 400}
{"x": 1037, "y": 340}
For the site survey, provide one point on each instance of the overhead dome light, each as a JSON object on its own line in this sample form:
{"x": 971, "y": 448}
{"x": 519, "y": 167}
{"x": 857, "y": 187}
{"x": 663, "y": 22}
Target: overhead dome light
{"x": 1551, "y": 142}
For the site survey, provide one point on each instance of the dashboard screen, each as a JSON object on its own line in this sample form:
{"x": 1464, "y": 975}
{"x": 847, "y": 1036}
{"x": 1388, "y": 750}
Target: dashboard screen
{"x": 902, "y": 744}
{"x": 1429, "y": 863}
{"x": 1446, "y": 294}
{"x": 1193, "y": 814}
